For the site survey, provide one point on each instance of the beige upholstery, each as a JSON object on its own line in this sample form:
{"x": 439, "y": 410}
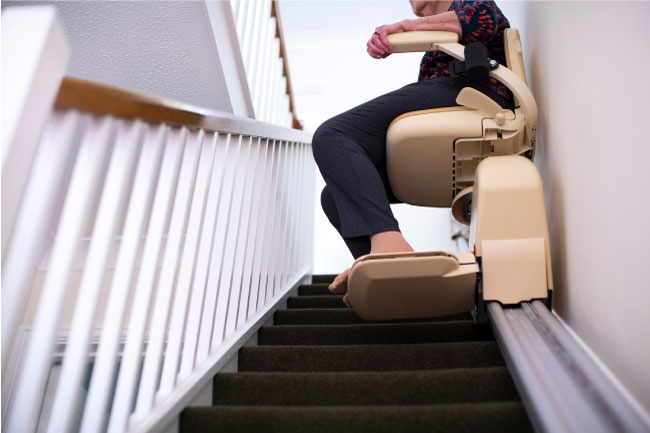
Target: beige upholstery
{"x": 465, "y": 158}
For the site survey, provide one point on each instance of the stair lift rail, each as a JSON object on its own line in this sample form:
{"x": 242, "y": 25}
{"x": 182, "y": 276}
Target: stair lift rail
{"x": 561, "y": 387}
{"x": 153, "y": 238}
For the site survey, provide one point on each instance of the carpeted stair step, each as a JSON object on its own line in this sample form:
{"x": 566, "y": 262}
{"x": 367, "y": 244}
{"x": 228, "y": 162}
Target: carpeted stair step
{"x": 396, "y": 333}
{"x": 327, "y": 301}
{"x": 314, "y": 290}
{"x": 321, "y": 368}
{"x": 343, "y": 316}
{"x": 465, "y": 385}
{"x": 379, "y": 357}
{"x": 502, "y": 417}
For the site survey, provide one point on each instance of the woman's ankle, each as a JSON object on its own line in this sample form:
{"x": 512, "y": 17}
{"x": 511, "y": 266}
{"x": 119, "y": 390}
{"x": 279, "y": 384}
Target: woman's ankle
{"x": 389, "y": 242}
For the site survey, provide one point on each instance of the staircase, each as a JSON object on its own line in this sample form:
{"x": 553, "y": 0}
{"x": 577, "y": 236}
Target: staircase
{"x": 321, "y": 368}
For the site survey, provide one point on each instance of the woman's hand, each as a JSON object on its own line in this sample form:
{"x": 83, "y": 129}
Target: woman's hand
{"x": 378, "y": 45}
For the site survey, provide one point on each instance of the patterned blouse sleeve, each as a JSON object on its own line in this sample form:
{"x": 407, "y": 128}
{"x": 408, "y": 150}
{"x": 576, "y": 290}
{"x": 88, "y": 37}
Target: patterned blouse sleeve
{"x": 478, "y": 20}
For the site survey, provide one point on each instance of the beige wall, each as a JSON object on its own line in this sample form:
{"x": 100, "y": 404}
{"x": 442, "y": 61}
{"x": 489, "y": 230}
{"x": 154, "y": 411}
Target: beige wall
{"x": 589, "y": 68}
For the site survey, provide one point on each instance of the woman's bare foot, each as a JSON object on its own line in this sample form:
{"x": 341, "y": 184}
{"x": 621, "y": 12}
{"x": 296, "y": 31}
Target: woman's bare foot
{"x": 389, "y": 242}
{"x": 385, "y": 242}
{"x": 340, "y": 283}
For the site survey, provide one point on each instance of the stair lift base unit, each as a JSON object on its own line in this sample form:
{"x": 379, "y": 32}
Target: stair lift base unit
{"x": 512, "y": 264}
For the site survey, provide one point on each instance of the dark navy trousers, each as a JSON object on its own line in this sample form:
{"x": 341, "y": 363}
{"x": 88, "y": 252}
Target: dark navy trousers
{"x": 350, "y": 150}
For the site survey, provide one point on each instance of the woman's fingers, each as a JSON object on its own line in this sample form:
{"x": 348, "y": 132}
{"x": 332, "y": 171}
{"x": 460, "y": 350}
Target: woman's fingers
{"x": 382, "y": 33}
{"x": 375, "y": 49}
{"x": 383, "y": 37}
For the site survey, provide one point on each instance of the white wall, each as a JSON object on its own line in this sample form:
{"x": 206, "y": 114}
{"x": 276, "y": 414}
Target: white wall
{"x": 588, "y": 67}
{"x": 331, "y": 72}
{"x": 165, "y": 48}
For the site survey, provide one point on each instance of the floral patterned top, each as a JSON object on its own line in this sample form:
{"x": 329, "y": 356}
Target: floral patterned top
{"x": 480, "y": 20}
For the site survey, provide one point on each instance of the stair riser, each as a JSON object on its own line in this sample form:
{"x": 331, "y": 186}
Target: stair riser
{"x": 373, "y": 334}
{"x": 339, "y": 389}
{"x": 370, "y": 358}
{"x": 330, "y": 301}
{"x": 468, "y": 418}
{"x": 344, "y": 316}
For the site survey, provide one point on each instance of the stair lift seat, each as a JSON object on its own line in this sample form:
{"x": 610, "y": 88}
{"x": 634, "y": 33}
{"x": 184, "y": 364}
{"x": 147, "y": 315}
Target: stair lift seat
{"x": 474, "y": 158}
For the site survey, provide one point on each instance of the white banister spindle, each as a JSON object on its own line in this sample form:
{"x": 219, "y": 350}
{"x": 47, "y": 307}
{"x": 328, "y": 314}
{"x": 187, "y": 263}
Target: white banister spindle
{"x": 253, "y": 234}
{"x": 247, "y": 31}
{"x": 258, "y": 53}
{"x": 244, "y": 228}
{"x": 266, "y": 207}
{"x": 293, "y": 213}
{"x": 226, "y": 261}
{"x": 188, "y": 261}
{"x": 297, "y": 210}
{"x": 279, "y": 107}
{"x": 234, "y": 6}
{"x": 284, "y": 224}
{"x": 277, "y": 221}
{"x": 248, "y": 50}
{"x": 298, "y": 259}
{"x": 105, "y": 363}
{"x": 277, "y": 91}
{"x": 144, "y": 289}
{"x": 177, "y": 228}
{"x": 282, "y": 241}
{"x": 277, "y": 100}
{"x": 214, "y": 252}
{"x": 242, "y": 12}
{"x": 74, "y": 217}
{"x": 202, "y": 291}
{"x": 272, "y": 81}
{"x": 273, "y": 46}
{"x": 294, "y": 261}
{"x": 291, "y": 217}
{"x": 267, "y": 250}
{"x": 263, "y": 56}
{"x": 32, "y": 224}
{"x": 110, "y": 208}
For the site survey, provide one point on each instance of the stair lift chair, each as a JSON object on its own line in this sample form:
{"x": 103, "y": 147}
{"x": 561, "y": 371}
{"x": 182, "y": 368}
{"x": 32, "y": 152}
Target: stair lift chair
{"x": 476, "y": 159}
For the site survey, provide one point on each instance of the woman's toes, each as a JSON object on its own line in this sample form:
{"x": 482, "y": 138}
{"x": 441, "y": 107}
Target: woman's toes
{"x": 346, "y": 299}
{"x": 340, "y": 284}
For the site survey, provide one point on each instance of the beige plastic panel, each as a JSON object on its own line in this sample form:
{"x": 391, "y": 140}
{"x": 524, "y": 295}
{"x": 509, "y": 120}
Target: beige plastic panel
{"x": 420, "y": 41}
{"x": 514, "y": 53}
{"x": 412, "y": 285}
{"x": 420, "y": 149}
{"x": 508, "y": 204}
{"x": 514, "y": 270}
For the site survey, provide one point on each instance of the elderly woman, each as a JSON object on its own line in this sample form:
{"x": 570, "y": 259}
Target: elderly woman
{"x": 350, "y": 149}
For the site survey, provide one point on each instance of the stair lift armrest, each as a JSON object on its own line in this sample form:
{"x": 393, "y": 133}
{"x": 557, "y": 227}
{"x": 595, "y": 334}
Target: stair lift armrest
{"x": 418, "y": 41}
{"x": 447, "y": 42}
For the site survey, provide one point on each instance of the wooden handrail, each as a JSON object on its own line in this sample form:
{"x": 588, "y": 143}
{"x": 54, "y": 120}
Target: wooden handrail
{"x": 97, "y": 98}
{"x": 279, "y": 33}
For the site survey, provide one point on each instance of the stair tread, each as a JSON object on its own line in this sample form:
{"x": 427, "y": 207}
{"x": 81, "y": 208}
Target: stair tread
{"x": 326, "y": 301}
{"x": 342, "y": 316}
{"x": 384, "y": 333}
{"x": 370, "y": 357}
{"x": 365, "y": 388}
{"x": 466, "y": 417}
